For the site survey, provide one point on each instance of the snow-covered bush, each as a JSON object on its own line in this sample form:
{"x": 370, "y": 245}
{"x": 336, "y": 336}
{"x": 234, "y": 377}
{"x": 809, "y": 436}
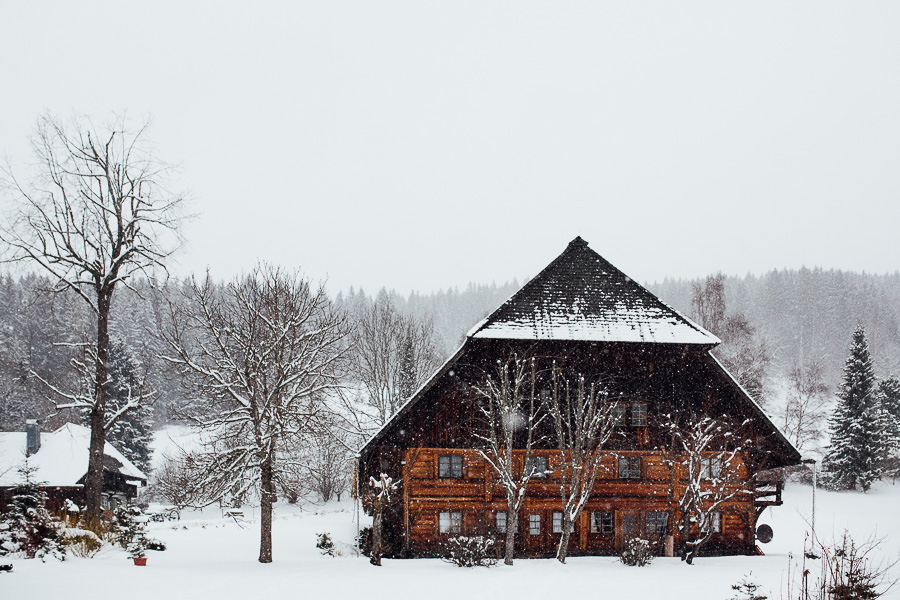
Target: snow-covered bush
{"x": 131, "y": 525}
{"x": 324, "y": 543}
{"x": 637, "y": 553}
{"x": 27, "y": 528}
{"x": 469, "y": 551}
{"x": 82, "y": 543}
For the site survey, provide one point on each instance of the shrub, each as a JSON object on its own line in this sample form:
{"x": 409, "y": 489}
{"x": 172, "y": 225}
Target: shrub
{"x": 637, "y": 552}
{"x": 747, "y": 589}
{"x": 27, "y": 527}
{"x": 155, "y": 545}
{"x": 364, "y": 541}
{"x": 131, "y": 531}
{"x": 469, "y": 551}
{"x": 82, "y": 543}
{"x": 324, "y": 543}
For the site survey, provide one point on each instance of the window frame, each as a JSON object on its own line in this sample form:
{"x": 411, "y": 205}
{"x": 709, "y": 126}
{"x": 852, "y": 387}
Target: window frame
{"x": 451, "y": 462}
{"x": 656, "y": 522}
{"x": 453, "y": 527}
{"x": 630, "y": 472}
{"x": 600, "y": 525}
{"x": 710, "y": 467}
{"x": 639, "y": 414}
{"x": 538, "y": 473}
{"x": 534, "y": 518}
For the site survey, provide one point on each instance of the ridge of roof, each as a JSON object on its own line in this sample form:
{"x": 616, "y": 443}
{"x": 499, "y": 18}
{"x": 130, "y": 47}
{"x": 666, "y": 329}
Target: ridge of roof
{"x": 582, "y": 296}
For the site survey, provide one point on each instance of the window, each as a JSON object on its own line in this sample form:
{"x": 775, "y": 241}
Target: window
{"x": 618, "y": 413}
{"x": 556, "y": 525}
{"x": 715, "y": 522}
{"x": 450, "y": 466}
{"x": 537, "y": 465}
{"x": 655, "y": 522}
{"x": 601, "y": 522}
{"x": 500, "y": 522}
{"x": 534, "y": 524}
{"x": 639, "y": 414}
{"x": 710, "y": 468}
{"x": 629, "y": 467}
{"x": 450, "y": 522}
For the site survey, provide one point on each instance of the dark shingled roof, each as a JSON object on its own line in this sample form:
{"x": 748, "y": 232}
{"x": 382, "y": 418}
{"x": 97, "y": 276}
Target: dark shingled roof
{"x": 581, "y": 296}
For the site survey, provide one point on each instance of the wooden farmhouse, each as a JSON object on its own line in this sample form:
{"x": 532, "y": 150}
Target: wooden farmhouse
{"x": 60, "y": 461}
{"x": 581, "y": 315}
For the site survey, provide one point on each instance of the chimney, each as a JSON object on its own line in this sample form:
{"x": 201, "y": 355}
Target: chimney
{"x": 32, "y": 436}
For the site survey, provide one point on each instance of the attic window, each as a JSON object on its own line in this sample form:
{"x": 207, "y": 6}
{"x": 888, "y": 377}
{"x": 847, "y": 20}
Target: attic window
{"x": 639, "y": 414}
{"x": 618, "y": 413}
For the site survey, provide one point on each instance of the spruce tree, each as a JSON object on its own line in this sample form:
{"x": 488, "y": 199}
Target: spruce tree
{"x": 857, "y": 450}
{"x": 889, "y": 398}
{"x": 27, "y": 526}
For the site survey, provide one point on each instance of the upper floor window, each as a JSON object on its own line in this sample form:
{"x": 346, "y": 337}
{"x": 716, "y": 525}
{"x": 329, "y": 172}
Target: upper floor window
{"x": 710, "y": 467}
{"x": 538, "y": 466}
{"x": 639, "y": 414}
{"x": 629, "y": 467}
{"x": 655, "y": 522}
{"x": 618, "y": 413}
{"x": 601, "y": 522}
{"x": 450, "y": 522}
{"x": 450, "y": 466}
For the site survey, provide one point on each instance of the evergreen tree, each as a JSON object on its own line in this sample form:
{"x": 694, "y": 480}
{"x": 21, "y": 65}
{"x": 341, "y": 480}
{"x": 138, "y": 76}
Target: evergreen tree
{"x": 27, "y": 527}
{"x": 889, "y": 398}
{"x": 132, "y": 435}
{"x": 858, "y": 425}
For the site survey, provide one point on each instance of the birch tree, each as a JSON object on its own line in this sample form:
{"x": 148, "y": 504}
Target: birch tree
{"x": 583, "y": 422}
{"x": 98, "y": 212}
{"x": 260, "y": 356}
{"x": 510, "y": 408}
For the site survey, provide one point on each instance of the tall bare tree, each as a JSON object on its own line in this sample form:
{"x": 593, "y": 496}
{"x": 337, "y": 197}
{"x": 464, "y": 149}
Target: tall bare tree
{"x": 261, "y": 356}
{"x": 392, "y": 356}
{"x": 510, "y": 408}
{"x": 98, "y": 212}
{"x": 583, "y": 422}
{"x": 805, "y": 412}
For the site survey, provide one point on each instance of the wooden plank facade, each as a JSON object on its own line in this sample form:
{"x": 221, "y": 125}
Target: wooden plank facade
{"x": 447, "y": 487}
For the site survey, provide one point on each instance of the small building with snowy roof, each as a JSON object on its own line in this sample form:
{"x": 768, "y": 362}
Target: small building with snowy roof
{"x": 580, "y": 315}
{"x": 60, "y": 462}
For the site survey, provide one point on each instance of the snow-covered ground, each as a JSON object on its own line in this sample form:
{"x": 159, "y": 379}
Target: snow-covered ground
{"x": 212, "y": 557}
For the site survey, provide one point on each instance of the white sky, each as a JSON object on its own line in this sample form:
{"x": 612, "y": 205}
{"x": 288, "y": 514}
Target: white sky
{"x": 418, "y": 145}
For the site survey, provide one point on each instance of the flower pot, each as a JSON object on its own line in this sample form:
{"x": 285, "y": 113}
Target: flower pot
{"x": 139, "y": 561}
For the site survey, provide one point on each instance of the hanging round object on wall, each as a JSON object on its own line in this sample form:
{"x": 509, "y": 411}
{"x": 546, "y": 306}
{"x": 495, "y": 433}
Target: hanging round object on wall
{"x": 764, "y": 533}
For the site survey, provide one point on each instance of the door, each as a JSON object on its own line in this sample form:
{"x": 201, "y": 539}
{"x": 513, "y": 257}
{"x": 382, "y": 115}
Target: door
{"x": 627, "y": 526}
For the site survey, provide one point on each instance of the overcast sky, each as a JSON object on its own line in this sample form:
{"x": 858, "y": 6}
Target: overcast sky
{"x": 419, "y": 145}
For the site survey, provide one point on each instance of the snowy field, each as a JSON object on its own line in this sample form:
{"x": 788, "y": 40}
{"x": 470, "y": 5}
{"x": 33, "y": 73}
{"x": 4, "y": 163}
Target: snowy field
{"x": 212, "y": 557}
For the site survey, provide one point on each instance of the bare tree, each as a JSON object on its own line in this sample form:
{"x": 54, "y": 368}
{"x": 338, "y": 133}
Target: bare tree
{"x": 261, "y": 355}
{"x": 805, "y": 411}
{"x": 175, "y": 482}
{"x": 98, "y": 213}
{"x": 706, "y": 468}
{"x": 392, "y": 356}
{"x": 508, "y": 403}
{"x": 583, "y": 422}
{"x": 746, "y": 357}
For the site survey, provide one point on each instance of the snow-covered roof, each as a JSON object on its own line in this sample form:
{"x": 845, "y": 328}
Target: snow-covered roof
{"x": 62, "y": 459}
{"x": 581, "y": 296}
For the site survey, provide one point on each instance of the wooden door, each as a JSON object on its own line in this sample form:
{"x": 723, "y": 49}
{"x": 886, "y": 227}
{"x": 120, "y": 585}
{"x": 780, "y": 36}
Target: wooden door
{"x": 627, "y": 526}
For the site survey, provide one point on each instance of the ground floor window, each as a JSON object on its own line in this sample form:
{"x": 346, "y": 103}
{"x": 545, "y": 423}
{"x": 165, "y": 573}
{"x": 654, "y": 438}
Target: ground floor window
{"x": 655, "y": 522}
{"x": 450, "y": 522}
{"x": 715, "y": 522}
{"x": 534, "y": 524}
{"x": 601, "y": 522}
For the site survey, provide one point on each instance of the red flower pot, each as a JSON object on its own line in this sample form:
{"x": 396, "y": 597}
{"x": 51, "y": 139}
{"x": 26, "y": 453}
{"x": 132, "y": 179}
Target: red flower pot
{"x": 140, "y": 561}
